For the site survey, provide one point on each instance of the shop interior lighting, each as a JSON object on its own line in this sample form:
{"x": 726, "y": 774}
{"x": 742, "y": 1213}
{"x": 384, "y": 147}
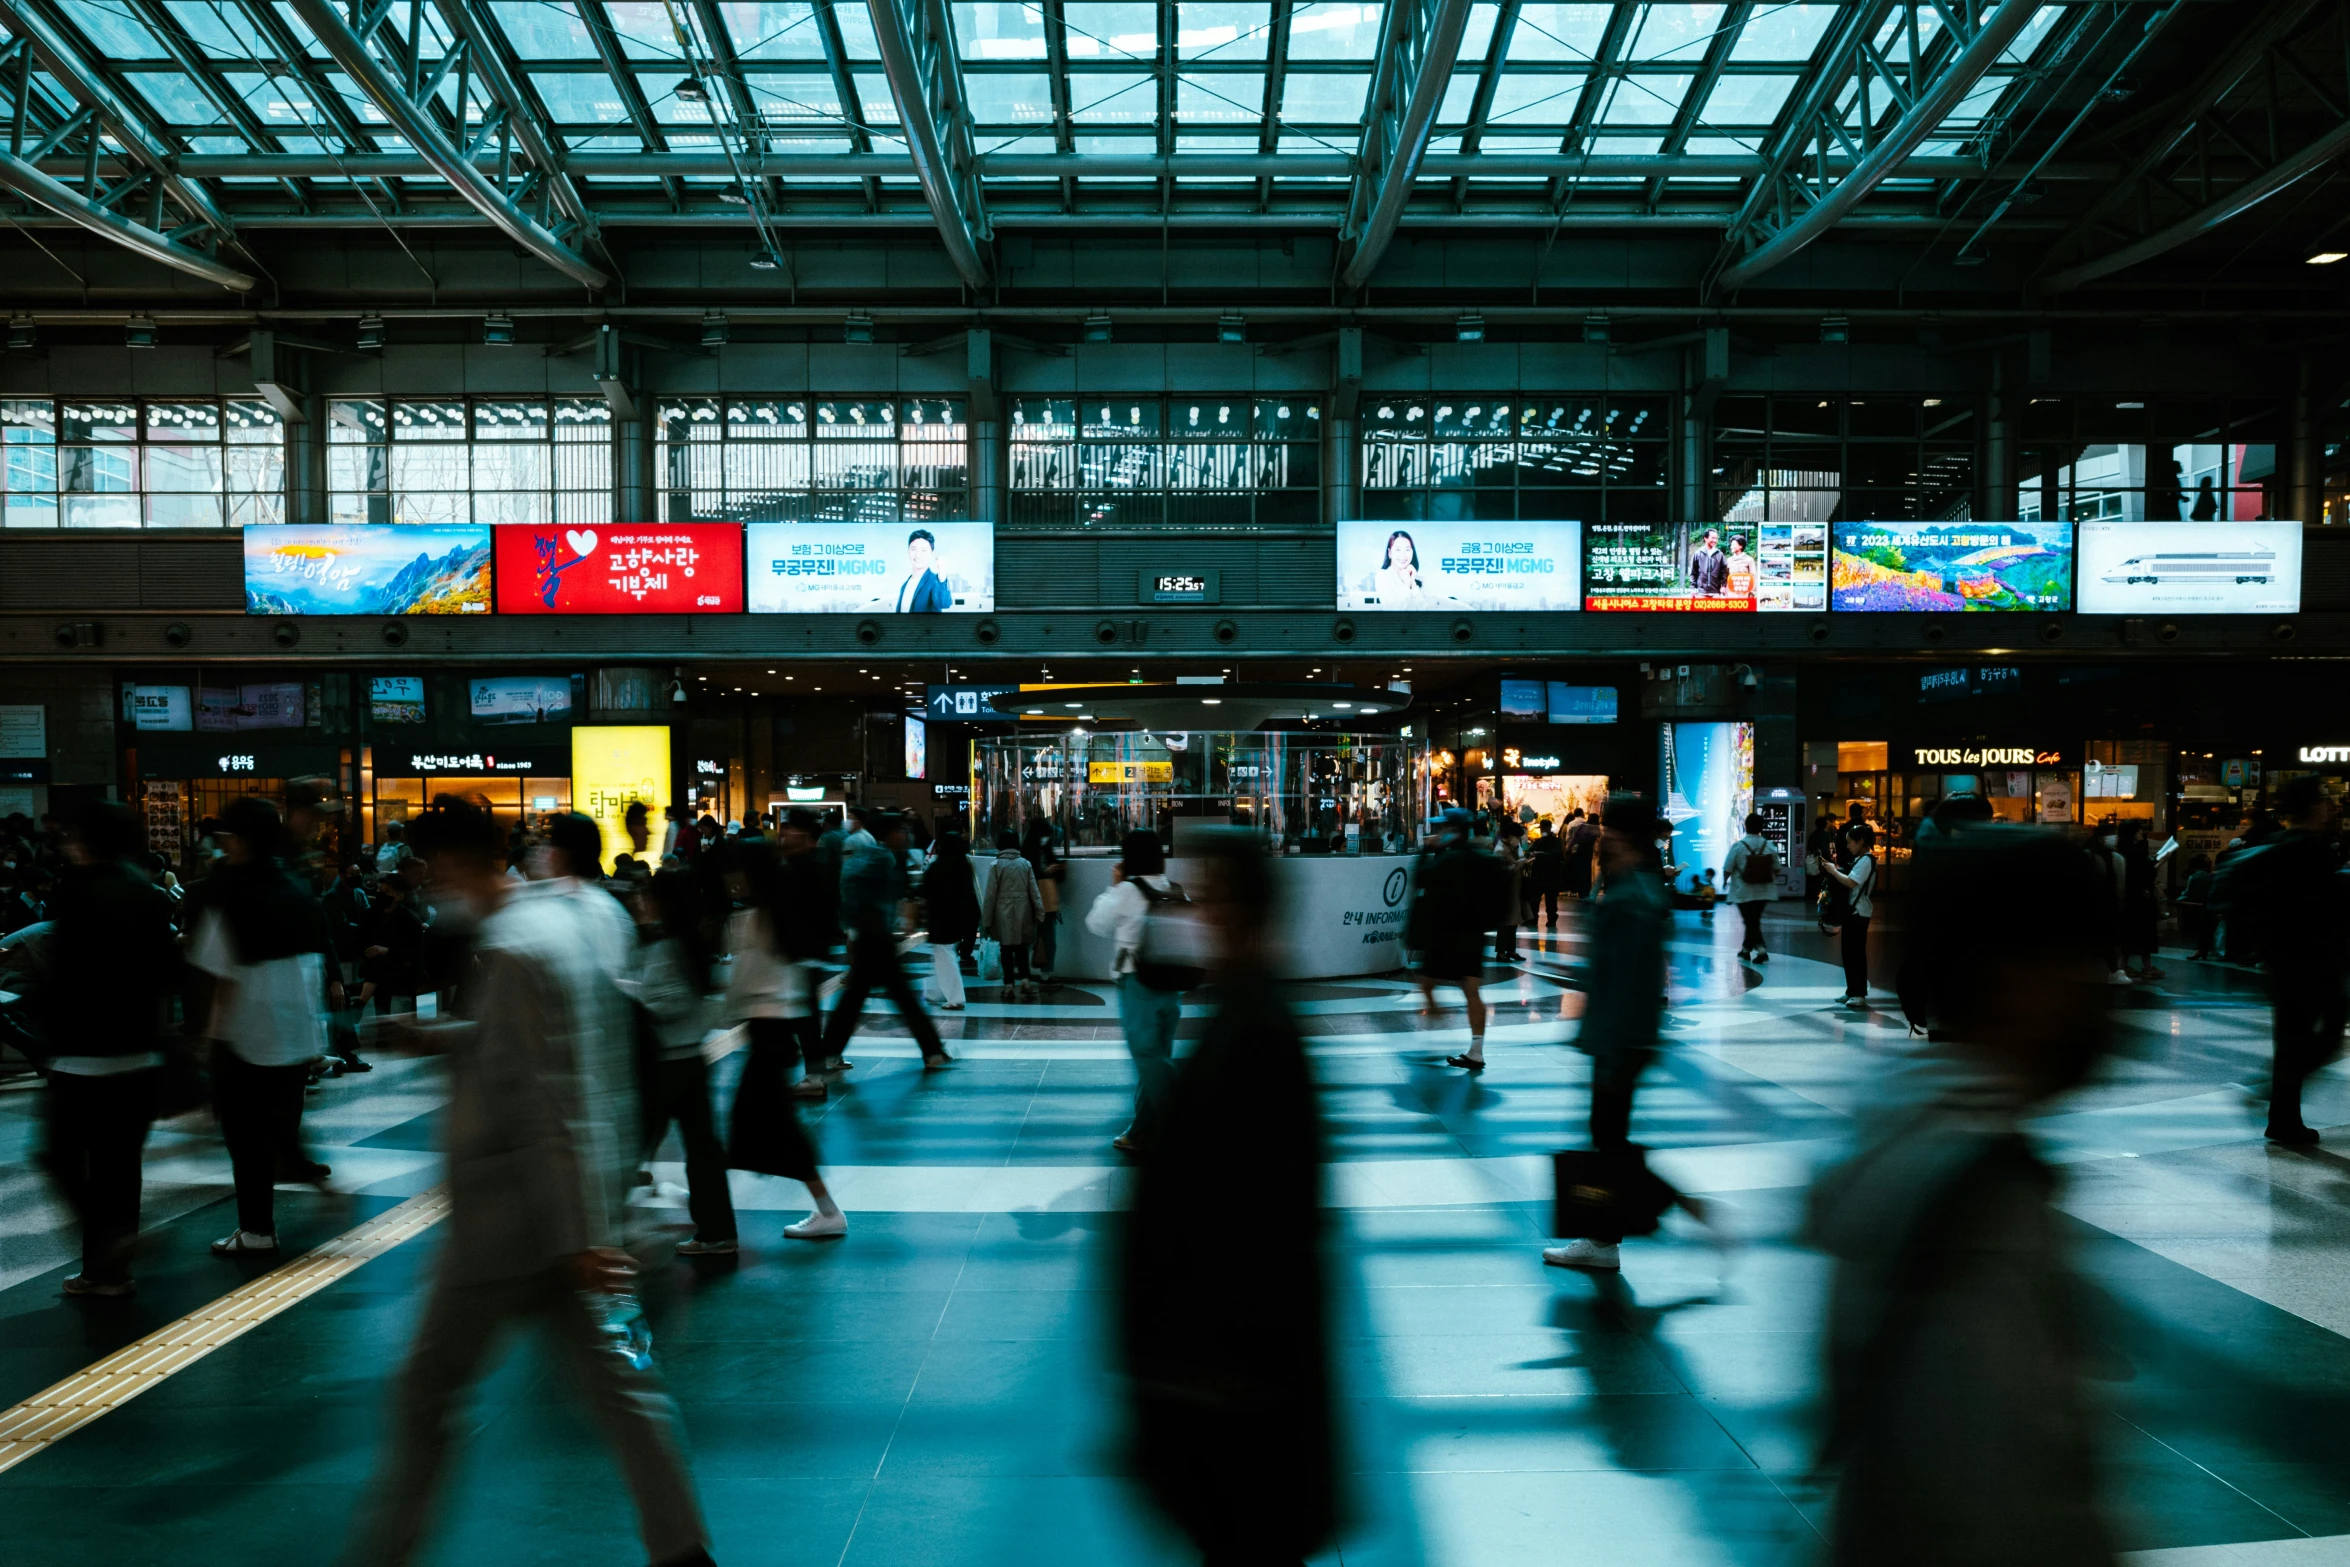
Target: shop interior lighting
{"x": 371, "y": 332}
{"x": 715, "y": 329}
{"x": 497, "y": 330}
{"x": 139, "y": 332}
{"x": 1470, "y": 328}
{"x": 2326, "y": 258}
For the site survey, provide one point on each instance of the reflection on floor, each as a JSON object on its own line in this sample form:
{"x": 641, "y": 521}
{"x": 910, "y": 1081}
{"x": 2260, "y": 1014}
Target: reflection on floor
{"x": 934, "y": 1390}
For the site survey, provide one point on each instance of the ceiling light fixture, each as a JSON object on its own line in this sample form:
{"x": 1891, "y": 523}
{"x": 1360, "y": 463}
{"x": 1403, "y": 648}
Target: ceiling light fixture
{"x": 139, "y": 332}
{"x": 689, "y": 89}
{"x": 371, "y": 333}
{"x": 1097, "y": 328}
{"x": 1232, "y": 327}
{"x": 766, "y": 261}
{"x": 2326, "y": 258}
{"x": 1836, "y": 329}
{"x": 497, "y": 330}
{"x": 1595, "y": 328}
{"x": 22, "y": 333}
{"x": 715, "y": 329}
{"x": 858, "y": 328}
{"x": 1470, "y": 328}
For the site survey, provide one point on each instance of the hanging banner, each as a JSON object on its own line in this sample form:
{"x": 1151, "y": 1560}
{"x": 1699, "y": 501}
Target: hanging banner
{"x": 2190, "y": 568}
{"x": 1953, "y": 566}
{"x": 871, "y": 568}
{"x": 611, "y": 569}
{"x": 362, "y": 569}
{"x": 1459, "y": 565}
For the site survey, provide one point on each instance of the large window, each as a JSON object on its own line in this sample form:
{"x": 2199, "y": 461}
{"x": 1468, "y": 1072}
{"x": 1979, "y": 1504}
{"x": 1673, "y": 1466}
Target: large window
{"x": 1805, "y": 458}
{"x": 530, "y": 460}
{"x": 2175, "y": 460}
{"x": 802, "y": 459}
{"x": 1503, "y": 456}
{"x": 128, "y": 462}
{"x": 1165, "y": 462}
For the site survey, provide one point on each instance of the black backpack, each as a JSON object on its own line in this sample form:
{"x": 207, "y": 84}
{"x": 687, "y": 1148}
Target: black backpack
{"x": 1761, "y": 868}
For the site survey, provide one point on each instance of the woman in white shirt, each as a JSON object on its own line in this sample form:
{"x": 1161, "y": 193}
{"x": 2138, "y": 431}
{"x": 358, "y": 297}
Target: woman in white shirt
{"x": 265, "y": 943}
{"x": 1860, "y": 881}
{"x": 1148, "y": 1017}
{"x": 671, "y": 981}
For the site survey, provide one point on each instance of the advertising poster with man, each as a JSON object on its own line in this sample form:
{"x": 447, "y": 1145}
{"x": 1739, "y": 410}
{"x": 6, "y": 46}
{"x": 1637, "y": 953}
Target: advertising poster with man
{"x": 1457, "y": 565}
{"x": 1733, "y": 567}
{"x": 818, "y": 568}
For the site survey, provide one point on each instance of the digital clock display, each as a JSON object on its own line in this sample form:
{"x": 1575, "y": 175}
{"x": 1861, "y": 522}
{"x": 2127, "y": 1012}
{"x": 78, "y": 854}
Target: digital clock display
{"x": 1181, "y": 587}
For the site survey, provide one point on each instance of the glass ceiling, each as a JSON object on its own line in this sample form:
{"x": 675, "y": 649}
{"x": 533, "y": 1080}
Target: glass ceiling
{"x": 733, "y": 111}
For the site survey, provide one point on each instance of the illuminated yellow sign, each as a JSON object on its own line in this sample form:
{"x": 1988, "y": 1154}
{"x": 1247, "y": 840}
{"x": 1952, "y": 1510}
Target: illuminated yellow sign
{"x": 612, "y": 765}
{"x": 1129, "y": 772}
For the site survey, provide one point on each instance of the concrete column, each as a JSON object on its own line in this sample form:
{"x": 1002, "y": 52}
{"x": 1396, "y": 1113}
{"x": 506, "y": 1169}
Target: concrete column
{"x": 2305, "y": 492}
{"x": 1995, "y": 478}
{"x": 306, "y": 463}
{"x": 1340, "y": 467}
{"x": 1694, "y": 470}
{"x": 988, "y": 496}
{"x": 632, "y": 466}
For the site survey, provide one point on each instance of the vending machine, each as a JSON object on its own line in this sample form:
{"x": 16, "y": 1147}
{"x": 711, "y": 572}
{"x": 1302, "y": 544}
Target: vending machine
{"x": 1784, "y": 813}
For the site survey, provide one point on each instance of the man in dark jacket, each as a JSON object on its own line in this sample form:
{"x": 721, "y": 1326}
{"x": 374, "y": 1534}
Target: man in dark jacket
{"x": 2291, "y": 888}
{"x": 872, "y": 889}
{"x": 115, "y": 966}
{"x": 1457, "y": 896}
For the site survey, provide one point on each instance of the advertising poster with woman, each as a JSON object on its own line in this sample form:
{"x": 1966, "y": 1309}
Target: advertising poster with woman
{"x": 1459, "y": 565}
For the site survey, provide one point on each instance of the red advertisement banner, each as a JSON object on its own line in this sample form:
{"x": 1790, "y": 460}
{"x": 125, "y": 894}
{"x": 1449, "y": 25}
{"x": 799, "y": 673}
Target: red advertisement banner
{"x": 620, "y": 569}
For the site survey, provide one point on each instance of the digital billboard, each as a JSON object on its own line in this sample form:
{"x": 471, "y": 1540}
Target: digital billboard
{"x": 1706, "y": 775}
{"x": 395, "y": 699}
{"x": 868, "y": 568}
{"x": 164, "y": 709}
{"x": 1522, "y": 699}
{"x": 1950, "y": 566}
{"x": 2189, "y": 568}
{"x": 1737, "y": 567}
{"x": 613, "y": 766}
{"x": 275, "y": 704}
{"x": 917, "y": 748}
{"x": 520, "y": 699}
{"x": 1570, "y": 704}
{"x": 612, "y": 569}
{"x": 380, "y": 569}
{"x": 1456, "y": 565}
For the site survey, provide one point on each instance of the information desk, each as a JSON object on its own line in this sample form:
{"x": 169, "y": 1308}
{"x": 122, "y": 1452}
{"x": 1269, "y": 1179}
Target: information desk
{"x": 1340, "y": 914}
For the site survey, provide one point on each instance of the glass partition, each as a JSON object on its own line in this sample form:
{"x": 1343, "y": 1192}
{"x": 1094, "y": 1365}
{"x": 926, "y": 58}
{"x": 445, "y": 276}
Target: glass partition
{"x": 1306, "y": 793}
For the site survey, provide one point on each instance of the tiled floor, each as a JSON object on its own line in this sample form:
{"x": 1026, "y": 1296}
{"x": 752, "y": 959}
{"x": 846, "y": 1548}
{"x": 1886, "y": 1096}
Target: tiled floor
{"x": 935, "y": 1391}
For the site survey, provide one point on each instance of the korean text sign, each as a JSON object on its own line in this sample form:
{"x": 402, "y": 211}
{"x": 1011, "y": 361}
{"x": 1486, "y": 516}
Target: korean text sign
{"x": 610, "y": 569}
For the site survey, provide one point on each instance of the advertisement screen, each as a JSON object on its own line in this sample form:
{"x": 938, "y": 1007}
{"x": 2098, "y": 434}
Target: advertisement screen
{"x": 1459, "y": 565}
{"x": 917, "y": 748}
{"x": 1522, "y": 699}
{"x": 1706, "y": 777}
{"x": 396, "y": 699}
{"x": 228, "y": 709}
{"x": 613, "y": 765}
{"x": 521, "y": 699}
{"x": 158, "y": 708}
{"x": 1738, "y": 567}
{"x": 866, "y": 568}
{"x": 1580, "y": 704}
{"x": 1948, "y": 566}
{"x": 400, "y": 569}
{"x": 617, "y": 570}
{"x": 2190, "y": 568}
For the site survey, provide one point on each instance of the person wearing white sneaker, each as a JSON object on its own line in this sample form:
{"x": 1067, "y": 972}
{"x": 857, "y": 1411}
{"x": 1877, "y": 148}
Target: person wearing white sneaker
{"x": 1859, "y": 881}
{"x": 827, "y": 1223}
{"x": 1590, "y": 1256}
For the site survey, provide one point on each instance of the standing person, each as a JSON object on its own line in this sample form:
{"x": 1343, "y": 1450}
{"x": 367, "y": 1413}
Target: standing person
{"x": 1223, "y": 1326}
{"x": 1044, "y": 859}
{"x": 1508, "y": 848}
{"x": 950, "y": 900}
{"x": 671, "y": 981}
{"x": 2105, "y": 856}
{"x": 1454, "y": 902}
{"x": 1624, "y": 1006}
{"x": 2141, "y": 911}
{"x": 872, "y": 894}
{"x": 1819, "y": 848}
{"x": 391, "y": 964}
{"x": 1580, "y": 849}
{"x": 392, "y": 850}
{"x": 1859, "y": 880}
{"x": 1751, "y": 873}
{"x": 1012, "y": 914}
{"x": 113, "y": 968}
{"x": 265, "y": 943}
{"x": 2285, "y": 897}
{"x": 1148, "y": 1017}
{"x": 542, "y": 1135}
{"x": 1955, "y": 1373}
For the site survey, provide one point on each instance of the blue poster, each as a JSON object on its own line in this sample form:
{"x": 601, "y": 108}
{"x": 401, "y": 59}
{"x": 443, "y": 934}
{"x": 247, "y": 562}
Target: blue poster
{"x": 379, "y": 569}
{"x": 1705, "y": 778}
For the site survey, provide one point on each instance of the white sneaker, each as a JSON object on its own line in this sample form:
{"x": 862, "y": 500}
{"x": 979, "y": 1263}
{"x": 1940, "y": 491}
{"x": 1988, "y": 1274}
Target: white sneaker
{"x": 2116, "y": 977}
{"x": 818, "y": 1227}
{"x": 238, "y": 1241}
{"x": 1590, "y": 1256}
{"x": 1762, "y": 954}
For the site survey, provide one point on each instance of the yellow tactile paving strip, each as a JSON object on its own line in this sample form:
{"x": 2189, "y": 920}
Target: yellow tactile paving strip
{"x": 57, "y": 1412}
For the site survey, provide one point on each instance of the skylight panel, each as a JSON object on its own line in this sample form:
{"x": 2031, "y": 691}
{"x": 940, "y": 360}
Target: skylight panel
{"x": 1673, "y": 32}
{"x": 796, "y": 97}
{"x": 1477, "y": 37}
{"x": 2027, "y": 42}
{"x": 1216, "y": 144}
{"x": 1318, "y": 98}
{"x": 1460, "y": 94}
{"x": 1559, "y": 32}
{"x": 1524, "y": 98}
{"x": 223, "y": 145}
{"x": 1009, "y": 97}
{"x": 112, "y": 30}
{"x": 773, "y": 30}
{"x": 222, "y": 32}
{"x": 582, "y": 97}
{"x": 1748, "y": 100}
{"x": 1221, "y": 31}
{"x": 1979, "y": 101}
{"x": 873, "y": 97}
{"x": 1722, "y": 146}
{"x": 856, "y": 32}
{"x": 1895, "y": 32}
{"x": 645, "y": 31}
{"x": 999, "y": 31}
{"x": 1782, "y": 32}
{"x": 286, "y": 105}
{"x": 1645, "y": 100}
{"x": 1226, "y": 98}
{"x": 1112, "y": 97}
{"x": 1329, "y": 31}
{"x": 539, "y": 30}
{"x": 1111, "y": 31}
{"x": 177, "y": 98}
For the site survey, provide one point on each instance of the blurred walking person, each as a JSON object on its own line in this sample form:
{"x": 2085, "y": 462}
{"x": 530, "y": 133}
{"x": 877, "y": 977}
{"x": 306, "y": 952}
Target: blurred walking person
{"x": 1147, "y": 1016}
{"x": 542, "y": 1135}
{"x": 1509, "y": 847}
{"x": 1456, "y": 899}
{"x": 265, "y": 942}
{"x": 1044, "y": 861}
{"x": 950, "y": 903}
{"x": 872, "y": 894}
{"x": 2284, "y": 897}
{"x": 113, "y": 965}
{"x": 1011, "y": 913}
{"x": 671, "y": 981}
{"x": 1953, "y": 1340}
{"x": 1751, "y": 874}
{"x": 1223, "y": 1331}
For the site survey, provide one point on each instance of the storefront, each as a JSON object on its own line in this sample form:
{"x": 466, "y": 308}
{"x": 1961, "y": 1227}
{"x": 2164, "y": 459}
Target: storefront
{"x": 1547, "y": 772}
{"x": 1898, "y": 784}
{"x": 182, "y": 780}
{"x": 518, "y": 784}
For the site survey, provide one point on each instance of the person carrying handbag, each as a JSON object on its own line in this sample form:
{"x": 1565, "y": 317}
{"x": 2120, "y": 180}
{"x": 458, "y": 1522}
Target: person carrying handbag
{"x": 1146, "y": 1015}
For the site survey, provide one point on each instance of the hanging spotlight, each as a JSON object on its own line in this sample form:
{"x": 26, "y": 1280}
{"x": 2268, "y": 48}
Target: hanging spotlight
{"x": 1470, "y": 328}
{"x": 1097, "y": 327}
{"x": 715, "y": 329}
{"x": 497, "y": 330}
{"x": 734, "y": 197}
{"x": 858, "y": 328}
{"x": 139, "y": 332}
{"x": 22, "y": 333}
{"x": 1231, "y": 328}
{"x": 371, "y": 332}
{"x": 766, "y": 261}
{"x": 691, "y": 90}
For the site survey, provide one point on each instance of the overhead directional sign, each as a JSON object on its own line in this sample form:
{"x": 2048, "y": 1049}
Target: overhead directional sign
{"x": 974, "y": 703}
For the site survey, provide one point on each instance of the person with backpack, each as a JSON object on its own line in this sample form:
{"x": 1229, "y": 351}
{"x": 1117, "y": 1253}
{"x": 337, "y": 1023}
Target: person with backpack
{"x": 1147, "y": 1014}
{"x": 1456, "y": 900}
{"x": 1857, "y": 881}
{"x": 1751, "y": 873}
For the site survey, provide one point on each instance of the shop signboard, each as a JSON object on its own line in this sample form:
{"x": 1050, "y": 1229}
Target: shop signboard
{"x": 1129, "y": 772}
{"x": 234, "y": 709}
{"x": 164, "y": 709}
{"x": 1571, "y": 704}
{"x": 1949, "y": 567}
{"x": 870, "y": 568}
{"x": 1459, "y": 565}
{"x": 2190, "y": 568}
{"x": 217, "y": 757}
{"x": 24, "y": 729}
{"x": 520, "y": 699}
{"x": 1998, "y": 753}
{"x": 616, "y": 569}
{"x": 419, "y": 761}
{"x": 1706, "y": 567}
{"x": 368, "y": 569}
{"x": 614, "y": 766}
{"x": 395, "y": 699}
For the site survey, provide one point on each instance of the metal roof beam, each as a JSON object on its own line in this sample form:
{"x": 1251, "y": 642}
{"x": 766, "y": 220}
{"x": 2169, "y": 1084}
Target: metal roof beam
{"x": 918, "y": 55}
{"x": 411, "y": 121}
{"x": 1931, "y": 100}
{"x": 78, "y": 209}
{"x": 1418, "y": 62}
{"x": 526, "y": 114}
